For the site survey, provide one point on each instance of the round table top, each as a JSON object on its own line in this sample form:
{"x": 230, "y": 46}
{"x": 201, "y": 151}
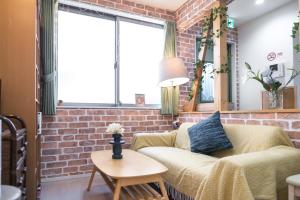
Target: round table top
{"x": 294, "y": 180}
{"x": 10, "y": 192}
{"x": 133, "y": 164}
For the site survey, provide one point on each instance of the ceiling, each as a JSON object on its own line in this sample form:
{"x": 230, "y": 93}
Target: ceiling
{"x": 165, "y": 4}
{"x": 244, "y": 11}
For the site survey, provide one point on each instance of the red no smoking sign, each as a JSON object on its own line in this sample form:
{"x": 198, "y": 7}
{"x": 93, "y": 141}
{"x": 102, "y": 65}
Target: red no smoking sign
{"x": 271, "y": 56}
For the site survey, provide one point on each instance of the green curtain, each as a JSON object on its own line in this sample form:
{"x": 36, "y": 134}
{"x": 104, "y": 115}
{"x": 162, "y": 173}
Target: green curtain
{"x": 170, "y": 95}
{"x": 49, "y": 55}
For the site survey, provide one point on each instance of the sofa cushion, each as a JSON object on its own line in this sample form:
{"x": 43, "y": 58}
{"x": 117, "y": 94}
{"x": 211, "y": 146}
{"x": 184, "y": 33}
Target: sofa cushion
{"x": 186, "y": 170}
{"x": 208, "y": 136}
{"x": 252, "y": 138}
{"x": 182, "y": 140}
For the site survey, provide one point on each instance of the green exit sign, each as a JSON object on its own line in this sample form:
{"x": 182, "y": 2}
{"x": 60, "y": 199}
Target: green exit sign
{"x": 230, "y": 22}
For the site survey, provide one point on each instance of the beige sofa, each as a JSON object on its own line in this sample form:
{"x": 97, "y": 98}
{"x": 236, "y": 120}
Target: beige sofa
{"x": 255, "y": 168}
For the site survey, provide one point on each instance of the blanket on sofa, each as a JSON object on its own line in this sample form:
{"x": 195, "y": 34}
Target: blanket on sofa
{"x": 259, "y": 174}
{"x": 251, "y": 176}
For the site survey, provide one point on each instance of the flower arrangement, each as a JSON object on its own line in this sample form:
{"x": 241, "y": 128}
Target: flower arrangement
{"x": 273, "y": 86}
{"x": 266, "y": 79}
{"x": 115, "y": 128}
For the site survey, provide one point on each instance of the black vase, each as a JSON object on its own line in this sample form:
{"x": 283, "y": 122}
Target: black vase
{"x": 117, "y": 146}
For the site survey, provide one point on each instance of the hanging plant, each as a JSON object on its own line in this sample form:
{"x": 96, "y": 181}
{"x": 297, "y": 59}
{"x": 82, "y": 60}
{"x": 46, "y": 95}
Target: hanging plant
{"x": 295, "y": 30}
{"x": 207, "y": 40}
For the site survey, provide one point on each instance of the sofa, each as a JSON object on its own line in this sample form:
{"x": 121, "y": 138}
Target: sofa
{"x": 254, "y": 169}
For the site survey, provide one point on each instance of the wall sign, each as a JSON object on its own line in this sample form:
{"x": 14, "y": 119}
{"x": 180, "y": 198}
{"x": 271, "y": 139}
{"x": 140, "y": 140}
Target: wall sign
{"x": 271, "y": 56}
{"x": 230, "y": 22}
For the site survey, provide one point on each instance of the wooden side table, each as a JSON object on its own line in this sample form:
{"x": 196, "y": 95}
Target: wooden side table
{"x": 294, "y": 186}
{"x": 128, "y": 177}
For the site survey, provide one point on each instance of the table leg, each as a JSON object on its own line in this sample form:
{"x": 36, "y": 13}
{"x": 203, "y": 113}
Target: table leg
{"x": 117, "y": 190}
{"x": 291, "y": 192}
{"x": 92, "y": 178}
{"x": 163, "y": 189}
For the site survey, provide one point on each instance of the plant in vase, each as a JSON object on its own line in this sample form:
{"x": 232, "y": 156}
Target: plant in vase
{"x": 117, "y": 132}
{"x": 273, "y": 86}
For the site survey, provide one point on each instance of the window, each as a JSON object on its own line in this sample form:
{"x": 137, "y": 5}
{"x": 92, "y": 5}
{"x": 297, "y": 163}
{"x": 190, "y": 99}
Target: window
{"x": 207, "y": 93}
{"x": 107, "y": 59}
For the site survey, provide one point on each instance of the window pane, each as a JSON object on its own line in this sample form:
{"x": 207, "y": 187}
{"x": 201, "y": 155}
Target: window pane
{"x": 86, "y": 54}
{"x": 141, "y": 50}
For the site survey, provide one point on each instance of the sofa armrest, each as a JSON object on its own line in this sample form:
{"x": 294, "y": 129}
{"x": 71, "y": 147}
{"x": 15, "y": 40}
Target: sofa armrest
{"x": 141, "y": 140}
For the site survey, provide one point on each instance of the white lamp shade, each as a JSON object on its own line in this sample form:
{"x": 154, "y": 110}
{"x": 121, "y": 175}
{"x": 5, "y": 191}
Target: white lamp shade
{"x": 172, "y": 72}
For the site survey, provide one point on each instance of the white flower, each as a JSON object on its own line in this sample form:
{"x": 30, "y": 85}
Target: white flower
{"x": 115, "y": 128}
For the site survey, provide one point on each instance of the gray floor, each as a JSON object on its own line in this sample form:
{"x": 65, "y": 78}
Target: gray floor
{"x": 75, "y": 189}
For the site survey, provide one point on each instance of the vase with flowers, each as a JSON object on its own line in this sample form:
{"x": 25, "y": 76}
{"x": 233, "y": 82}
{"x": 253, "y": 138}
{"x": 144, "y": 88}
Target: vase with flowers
{"x": 272, "y": 85}
{"x": 117, "y": 132}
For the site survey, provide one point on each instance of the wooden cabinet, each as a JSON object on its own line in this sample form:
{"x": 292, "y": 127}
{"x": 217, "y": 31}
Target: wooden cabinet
{"x": 20, "y": 76}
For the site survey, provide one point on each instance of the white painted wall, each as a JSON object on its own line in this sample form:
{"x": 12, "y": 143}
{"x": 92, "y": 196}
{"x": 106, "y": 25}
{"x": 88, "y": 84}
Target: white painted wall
{"x": 259, "y": 37}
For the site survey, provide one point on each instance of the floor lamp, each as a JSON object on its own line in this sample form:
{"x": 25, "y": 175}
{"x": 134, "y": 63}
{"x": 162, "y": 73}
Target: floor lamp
{"x": 172, "y": 73}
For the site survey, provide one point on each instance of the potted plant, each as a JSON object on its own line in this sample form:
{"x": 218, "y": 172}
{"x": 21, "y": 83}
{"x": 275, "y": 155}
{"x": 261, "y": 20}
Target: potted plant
{"x": 117, "y": 132}
{"x": 273, "y": 86}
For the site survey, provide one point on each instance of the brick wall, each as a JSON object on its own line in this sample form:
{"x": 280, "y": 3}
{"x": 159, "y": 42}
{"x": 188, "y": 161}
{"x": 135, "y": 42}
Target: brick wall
{"x": 69, "y": 137}
{"x": 290, "y": 122}
{"x": 136, "y": 8}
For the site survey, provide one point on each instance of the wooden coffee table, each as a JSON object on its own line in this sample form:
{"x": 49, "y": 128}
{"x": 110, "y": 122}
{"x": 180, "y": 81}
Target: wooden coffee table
{"x": 128, "y": 177}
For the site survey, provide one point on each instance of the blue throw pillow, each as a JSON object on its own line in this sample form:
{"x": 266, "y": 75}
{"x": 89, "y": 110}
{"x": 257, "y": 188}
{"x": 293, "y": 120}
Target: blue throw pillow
{"x": 208, "y": 136}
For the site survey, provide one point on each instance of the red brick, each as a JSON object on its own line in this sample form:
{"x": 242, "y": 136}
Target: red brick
{"x": 73, "y": 150}
{"x": 51, "y": 151}
{"x": 61, "y": 112}
{"x": 87, "y": 130}
{"x": 70, "y": 169}
{"x": 67, "y": 144}
{"x": 81, "y": 137}
{"x": 296, "y": 125}
{"x": 48, "y": 158}
{"x": 78, "y": 125}
{"x": 86, "y": 168}
{"x": 288, "y": 115}
{"x": 67, "y": 119}
{"x": 84, "y": 155}
{"x": 57, "y": 125}
{"x": 109, "y": 118}
{"x": 138, "y": 118}
{"x": 77, "y": 112}
{"x": 68, "y": 157}
{"x": 56, "y": 164}
{"x": 49, "y": 145}
{"x": 96, "y": 124}
{"x": 235, "y": 121}
{"x": 52, "y": 171}
{"x": 87, "y": 143}
{"x": 77, "y": 162}
{"x": 86, "y": 118}
{"x": 282, "y": 124}
{"x": 240, "y": 116}
{"x": 52, "y": 138}
{"x": 68, "y": 137}
{"x": 67, "y": 131}
{"x": 95, "y": 136}
{"x": 95, "y": 112}
{"x": 263, "y": 116}
{"x": 49, "y": 132}
{"x": 49, "y": 119}
{"x": 99, "y": 148}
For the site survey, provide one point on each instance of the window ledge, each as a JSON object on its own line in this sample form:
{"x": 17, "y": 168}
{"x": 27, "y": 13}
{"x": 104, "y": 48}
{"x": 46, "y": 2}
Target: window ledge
{"x": 99, "y": 106}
